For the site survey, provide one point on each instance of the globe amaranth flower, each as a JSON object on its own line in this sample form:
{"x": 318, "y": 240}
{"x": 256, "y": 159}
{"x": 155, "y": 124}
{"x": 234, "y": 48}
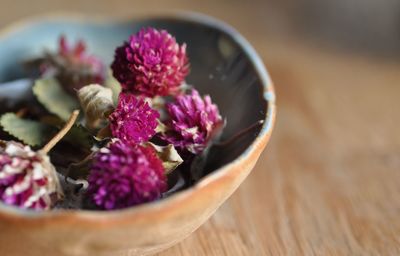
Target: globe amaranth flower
{"x": 192, "y": 121}
{"x": 72, "y": 66}
{"x": 27, "y": 179}
{"x": 125, "y": 174}
{"x": 133, "y": 119}
{"x": 96, "y": 102}
{"x": 152, "y": 63}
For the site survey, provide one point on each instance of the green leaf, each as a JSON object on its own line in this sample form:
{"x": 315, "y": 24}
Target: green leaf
{"x": 54, "y": 98}
{"x": 28, "y": 131}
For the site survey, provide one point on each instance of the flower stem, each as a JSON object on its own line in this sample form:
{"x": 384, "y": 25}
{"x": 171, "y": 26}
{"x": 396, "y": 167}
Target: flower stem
{"x": 61, "y": 133}
{"x": 239, "y": 134}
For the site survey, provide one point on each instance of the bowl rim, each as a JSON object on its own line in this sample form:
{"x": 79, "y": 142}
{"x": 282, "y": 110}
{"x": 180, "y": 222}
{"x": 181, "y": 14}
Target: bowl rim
{"x": 217, "y": 176}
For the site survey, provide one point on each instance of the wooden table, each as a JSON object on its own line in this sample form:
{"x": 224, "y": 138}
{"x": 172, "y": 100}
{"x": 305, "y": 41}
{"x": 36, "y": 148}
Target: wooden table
{"x": 329, "y": 181}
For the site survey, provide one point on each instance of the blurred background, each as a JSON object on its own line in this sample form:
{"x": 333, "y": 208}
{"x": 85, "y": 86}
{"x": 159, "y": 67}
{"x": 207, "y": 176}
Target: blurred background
{"x": 367, "y": 26}
{"x": 328, "y": 183}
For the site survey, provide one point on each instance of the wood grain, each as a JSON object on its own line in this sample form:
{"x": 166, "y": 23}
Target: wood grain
{"x": 329, "y": 181}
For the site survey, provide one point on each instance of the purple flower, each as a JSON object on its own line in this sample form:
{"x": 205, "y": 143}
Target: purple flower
{"x": 27, "y": 178}
{"x": 152, "y": 63}
{"x": 133, "y": 120}
{"x": 72, "y": 66}
{"x": 123, "y": 174}
{"x": 192, "y": 121}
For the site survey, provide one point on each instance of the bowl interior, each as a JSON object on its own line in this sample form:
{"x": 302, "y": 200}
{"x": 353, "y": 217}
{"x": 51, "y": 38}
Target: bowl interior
{"x": 219, "y": 67}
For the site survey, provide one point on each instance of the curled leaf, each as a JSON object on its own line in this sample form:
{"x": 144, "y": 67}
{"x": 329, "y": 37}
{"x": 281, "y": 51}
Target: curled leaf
{"x": 28, "y": 131}
{"x": 103, "y": 134}
{"x": 54, "y": 98}
{"x": 96, "y": 102}
{"x": 161, "y": 128}
{"x": 168, "y": 155}
{"x": 114, "y": 85}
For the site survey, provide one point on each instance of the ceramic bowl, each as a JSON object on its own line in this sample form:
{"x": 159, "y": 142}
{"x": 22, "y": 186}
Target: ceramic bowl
{"x": 223, "y": 64}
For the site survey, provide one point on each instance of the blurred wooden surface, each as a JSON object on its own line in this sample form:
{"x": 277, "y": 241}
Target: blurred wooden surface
{"x": 329, "y": 181}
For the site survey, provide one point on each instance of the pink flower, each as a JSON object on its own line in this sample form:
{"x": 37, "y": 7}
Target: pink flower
{"x": 27, "y": 178}
{"x": 133, "y": 120}
{"x": 123, "y": 174}
{"x": 192, "y": 121}
{"x": 152, "y": 63}
{"x": 77, "y": 55}
{"x": 73, "y": 66}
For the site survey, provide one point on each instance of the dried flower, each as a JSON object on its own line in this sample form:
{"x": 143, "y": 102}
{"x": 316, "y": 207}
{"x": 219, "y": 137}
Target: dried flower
{"x": 152, "y": 63}
{"x": 72, "y": 66}
{"x": 123, "y": 174}
{"x": 27, "y": 178}
{"x": 192, "y": 121}
{"x": 97, "y": 103}
{"x": 133, "y": 119}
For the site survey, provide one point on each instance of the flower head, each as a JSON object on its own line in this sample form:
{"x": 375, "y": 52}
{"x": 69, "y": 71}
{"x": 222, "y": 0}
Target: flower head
{"x": 77, "y": 55}
{"x": 27, "y": 178}
{"x": 123, "y": 174}
{"x": 192, "y": 121}
{"x": 152, "y": 63}
{"x": 97, "y": 102}
{"x": 73, "y": 66}
{"x": 133, "y": 119}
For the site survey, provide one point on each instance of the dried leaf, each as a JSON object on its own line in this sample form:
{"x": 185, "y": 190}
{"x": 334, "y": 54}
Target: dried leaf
{"x": 114, "y": 85}
{"x": 80, "y": 170}
{"x": 79, "y": 135}
{"x": 104, "y": 133}
{"x": 74, "y": 191}
{"x": 168, "y": 155}
{"x": 54, "y": 98}
{"x": 28, "y": 131}
{"x": 158, "y": 103}
{"x": 161, "y": 128}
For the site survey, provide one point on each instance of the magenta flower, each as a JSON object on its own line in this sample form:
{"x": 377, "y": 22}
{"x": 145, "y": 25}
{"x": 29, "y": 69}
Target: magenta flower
{"x": 192, "y": 121}
{"x": 72, "y": 66}
{"x": 152, "y": 63}
{"x": 133, "y": 120}
{"x": 77, "y": 55}
{"x": 123, "y": 174}
{"x": 27, "y": 178}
